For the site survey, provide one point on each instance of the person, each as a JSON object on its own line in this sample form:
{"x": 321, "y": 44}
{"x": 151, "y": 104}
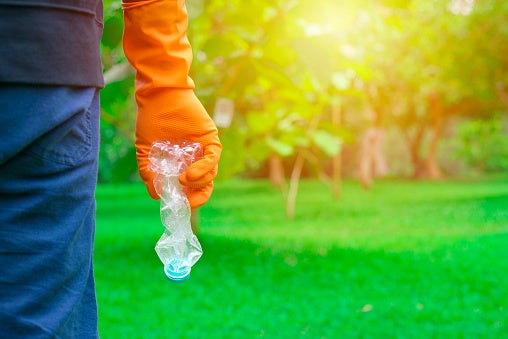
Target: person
{"x": 50, "y": 77}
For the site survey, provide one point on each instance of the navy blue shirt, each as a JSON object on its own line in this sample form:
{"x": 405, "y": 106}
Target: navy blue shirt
{"x": 51, "y": 42}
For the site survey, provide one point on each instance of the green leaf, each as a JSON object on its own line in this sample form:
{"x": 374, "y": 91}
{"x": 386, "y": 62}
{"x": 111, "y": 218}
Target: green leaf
{"x": 279, "y": 147}
{"x": 113, "y": 30}
{"x": 260, "y": 122}
{"x": 341, "y": 80}
{"x": 326, "y": 142}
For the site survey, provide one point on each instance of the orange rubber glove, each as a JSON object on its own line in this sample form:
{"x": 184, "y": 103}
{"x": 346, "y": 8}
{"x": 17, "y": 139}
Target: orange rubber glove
{"x": 156, "y": 45}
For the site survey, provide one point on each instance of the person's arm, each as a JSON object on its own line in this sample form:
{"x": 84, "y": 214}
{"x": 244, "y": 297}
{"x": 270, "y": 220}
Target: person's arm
{"x": 155, "y": 43}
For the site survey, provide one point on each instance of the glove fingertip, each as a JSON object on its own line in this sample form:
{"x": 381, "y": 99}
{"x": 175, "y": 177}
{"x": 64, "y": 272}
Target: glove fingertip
{"x": 148, "y": 177}
{"x": 197, "y": 181}
{"x": 152, "y": 192}
{"x": 196, "y": 171}
{"x": 198, "y": 197}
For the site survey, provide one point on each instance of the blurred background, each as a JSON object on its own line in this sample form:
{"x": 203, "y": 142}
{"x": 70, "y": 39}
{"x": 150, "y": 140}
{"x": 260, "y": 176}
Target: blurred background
{"x": 362, "y": 189}
{"x": 414, "y": 89}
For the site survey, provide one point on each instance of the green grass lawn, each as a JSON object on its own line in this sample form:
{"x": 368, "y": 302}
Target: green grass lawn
{"x": 404, "y": 260}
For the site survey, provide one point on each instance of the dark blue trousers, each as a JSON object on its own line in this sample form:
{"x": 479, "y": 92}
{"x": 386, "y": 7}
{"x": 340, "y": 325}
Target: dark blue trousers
{"x": 49, "y": 139}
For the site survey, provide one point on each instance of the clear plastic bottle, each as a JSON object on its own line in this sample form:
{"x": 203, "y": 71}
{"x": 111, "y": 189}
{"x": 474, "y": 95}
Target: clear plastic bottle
{"x": 178, "y": 248}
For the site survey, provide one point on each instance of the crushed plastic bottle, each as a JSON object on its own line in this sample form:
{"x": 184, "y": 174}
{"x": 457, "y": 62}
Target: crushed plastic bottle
{"x": 178, "y": 248}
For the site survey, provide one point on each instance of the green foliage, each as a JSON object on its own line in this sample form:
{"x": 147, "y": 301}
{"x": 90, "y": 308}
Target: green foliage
{"x": 117, "y": 155}
{"x": 113, "y": 29}
{"x": 117, "y": 132}
{"x": 296, "y": 59}
{"x": 405, "y": 260}
{"x": 285, "y": 63}
{"x": 259, "y": 63}
{"x": 327, "y": 142}
{"x": 484, "y": 144}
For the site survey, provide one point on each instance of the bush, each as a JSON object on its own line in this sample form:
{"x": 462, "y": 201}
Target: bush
{"x": 483, "y": 144}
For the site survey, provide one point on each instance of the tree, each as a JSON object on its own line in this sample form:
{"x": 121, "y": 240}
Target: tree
{"x": 301, "y": 78}
{"x": 282, "y": 105}
{"x": 426, "y": 65}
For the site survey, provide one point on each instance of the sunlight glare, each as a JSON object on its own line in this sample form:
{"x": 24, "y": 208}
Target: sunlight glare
{"x": 461, "y": 7}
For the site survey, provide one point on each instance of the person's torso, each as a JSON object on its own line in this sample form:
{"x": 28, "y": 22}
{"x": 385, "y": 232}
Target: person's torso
{"x": 51, "y": 42}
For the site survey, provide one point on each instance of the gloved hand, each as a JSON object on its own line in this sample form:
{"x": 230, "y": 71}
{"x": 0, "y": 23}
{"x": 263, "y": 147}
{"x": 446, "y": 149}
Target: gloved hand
{"x": 156, "y": 45}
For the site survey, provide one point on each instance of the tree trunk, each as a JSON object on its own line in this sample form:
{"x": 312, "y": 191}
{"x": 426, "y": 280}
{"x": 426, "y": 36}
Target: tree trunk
{"x": 436, "y": 110}
{"x": 337, "y": 159}
{"x": 414, "y": 151}
{"x": 293, "y": 185}
{"x": 372, "y": 162}
{"x": 367, "y": 158}
{"x": 380, "y": 163}
{"x": 276, "y": 170}
{"x": 503, "y": 95}
{"x": 372, "y": 158}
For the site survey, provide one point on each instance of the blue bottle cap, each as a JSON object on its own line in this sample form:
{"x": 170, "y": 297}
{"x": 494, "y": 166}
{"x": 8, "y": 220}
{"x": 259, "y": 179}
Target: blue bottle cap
{"x": 177, "y": 271}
